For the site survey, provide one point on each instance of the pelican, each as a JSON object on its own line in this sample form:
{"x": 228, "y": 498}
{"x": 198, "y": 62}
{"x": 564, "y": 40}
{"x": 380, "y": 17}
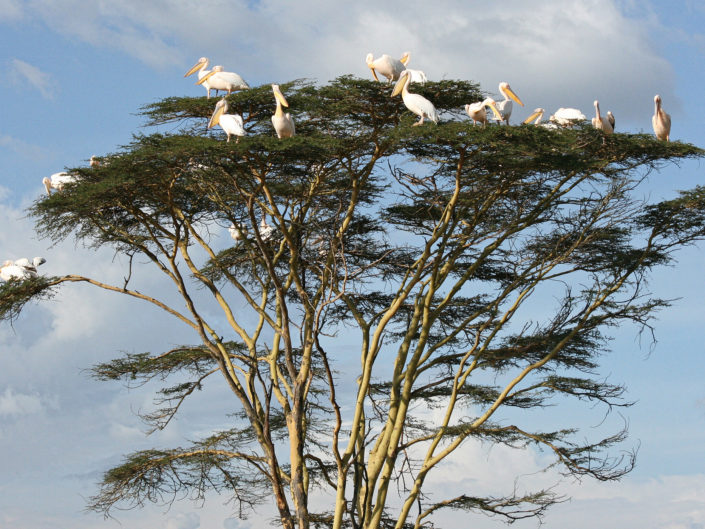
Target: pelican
{"x": 21, "y": 268}
{"x": 661, "y": 121}
{"x": 566, "y": 116}
{"x": 601, "y": 122}
{"x": 201, "y": 66}
{"x": 265, "y": 230}
{"x": 536, "y": 116}
{"x": 505, "y": 106}
{"x": 217, "y": 79}
{"x": 58, "y": 181}
{"x": 417, "y": 76}
{"x": 387, "y": 66}
{"x": 610, "y": 118}
{"x": 418, "y": 104}
{"x": 477, "y": 111}
{"x": 237, "y": 232}
{"x": 95, "y": 162}
{"x": 232, "y": 124}
{"x": 283, "y": 123}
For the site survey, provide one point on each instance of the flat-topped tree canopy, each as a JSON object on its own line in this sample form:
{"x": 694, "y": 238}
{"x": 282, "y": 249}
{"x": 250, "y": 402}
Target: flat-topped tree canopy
{"x": 432, "y": 248}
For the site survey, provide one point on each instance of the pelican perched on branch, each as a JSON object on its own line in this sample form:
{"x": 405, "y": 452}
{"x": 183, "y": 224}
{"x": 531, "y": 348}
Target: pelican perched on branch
{"x": 417, "y": 76}
{"x": 567, "y": 116}
{"x": 505, "y": 107}
{"x": 601, "y": 122}
{"x": 418, "y": 104}
{"x": 58, "y": 181}
{"x": 477, "y": 111}
{"x": 387, "y": 66}
{"x": 200, "y": 67}
{"x": 237, "y": 232}
{"x": 661, "y": 121}
{"x": 21, "y": 268}
{"x": 217, "y": 79}
{"x": 232, "y": 124}
{"x": 283, "y": 123}
{"x": 536, "y": 117}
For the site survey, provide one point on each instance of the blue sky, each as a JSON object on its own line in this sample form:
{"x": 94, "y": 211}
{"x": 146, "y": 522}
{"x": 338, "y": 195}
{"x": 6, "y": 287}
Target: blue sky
{"x": 74, "y": 77}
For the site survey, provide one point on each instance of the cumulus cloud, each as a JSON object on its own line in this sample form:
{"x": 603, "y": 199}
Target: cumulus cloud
{"x": 554, "y": 53}
{"x": 22, "y": 74}
{"x": 12, "y": 403}
{"x": 189, "y": 520}
{"x": 10, "y": 10}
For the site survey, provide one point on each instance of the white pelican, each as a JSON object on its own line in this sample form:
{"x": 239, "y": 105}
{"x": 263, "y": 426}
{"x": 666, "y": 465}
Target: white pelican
{"x": 567, "y": 116}
{"x": 417, "y": 76}
{"x": 220, "y": 80}
{"x": 389, "y": 67}
{"x": 505, "y": 106}
{"x": 610, "y": 118}
{"x": 536, "y": 116}
{"x": 95, "y": 162}
{"x": 201, "y": 66}
{"x": 661, "y": 121}
{"x": 477, "y": 111}
{"x": 232, "y": 124}
{"x": 58, "y": 181}
{"x": 283, "y": 123}
{"x": 418, "y": 104}
{"x": 21, "y": 268}
{"x": 601, "y": 122}
{"x": 237, "y": 232}
{"x": 265, "y": 230}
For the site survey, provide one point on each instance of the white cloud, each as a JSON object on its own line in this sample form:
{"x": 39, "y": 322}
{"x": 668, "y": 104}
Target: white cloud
{"x": 24, "y": 149}
{"x": 183, "y": 521}
{"x": 10, "y": 10}
{"x": 13, "y": 404}
{"x": 23, "y": 73}
{"x": 554, "y": 53}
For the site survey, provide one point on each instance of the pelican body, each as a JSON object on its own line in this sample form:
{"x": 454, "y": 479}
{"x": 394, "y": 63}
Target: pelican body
{"x": 20, "y": 269}
{"x": 567, "y": 116}
{"x": 661, "y": 121}
{"x": 601, "y": 122}
{"x": 200, "y": 67}
{"x": 283, "y": 123}
{"x": 217, "y": 79}
{"x": 57, "y": 181}
{"x": 417, "y": 76}
{"x": 387, "y": 66}
{"x": 232, "y": 124}
{"x": 477, "y": 111}
{"x": 506, "y": 106}
{"x": 418, "y": 104}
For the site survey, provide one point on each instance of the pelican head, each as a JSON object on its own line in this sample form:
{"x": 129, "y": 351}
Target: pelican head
{"x": 210, "y": 74}
{"x": 537, "y": 114}
{"x": 370, "y": 59}
{"x": 221, "y": 107}
{"x": 507, "y": 92}
{"x": 405, "y": 58}
{"x": 278, "y": 95}
{"x": 202, "y": 63}
{"x": 401, "y": 83}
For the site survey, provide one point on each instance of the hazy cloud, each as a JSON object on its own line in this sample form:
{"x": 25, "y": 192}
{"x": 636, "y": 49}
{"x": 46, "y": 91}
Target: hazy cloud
{"x": 10, "y": 10}
{"x": 24, "y": 149}
{"x": 12, "y": 403}
{"x": 23, "y": 73}
{"x": 183, "y": 521}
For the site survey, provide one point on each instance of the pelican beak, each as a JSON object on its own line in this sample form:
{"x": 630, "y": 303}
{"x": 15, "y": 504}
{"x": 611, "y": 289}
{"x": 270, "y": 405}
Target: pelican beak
{"x": 511, "y": 94}
{"x": 194, "y": 69}
{"x": 205, "y": 77}
{"x": 399, "y": 86}
{"x": 495, "y": 111}
{"x": 215, "y": 118}
{"x": 374, "y": 74}
{"x": 532, "y": 117}
{"x": 405, "y": 58}
{"x": 280, "y": 97}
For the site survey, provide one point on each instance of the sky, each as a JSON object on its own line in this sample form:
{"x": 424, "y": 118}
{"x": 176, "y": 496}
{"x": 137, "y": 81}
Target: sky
{"x": 76, "y": 74}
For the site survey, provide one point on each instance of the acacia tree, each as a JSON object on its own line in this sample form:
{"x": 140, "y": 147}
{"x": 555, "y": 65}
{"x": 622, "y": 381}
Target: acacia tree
{"x": 427, "y": 246}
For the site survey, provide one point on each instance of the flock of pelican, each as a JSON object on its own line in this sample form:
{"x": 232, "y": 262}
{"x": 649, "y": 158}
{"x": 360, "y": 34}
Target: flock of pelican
{"x": 394, "y": 70}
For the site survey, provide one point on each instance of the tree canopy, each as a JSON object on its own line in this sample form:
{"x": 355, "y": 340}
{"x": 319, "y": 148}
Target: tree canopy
{"x": 479, "y": 270}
